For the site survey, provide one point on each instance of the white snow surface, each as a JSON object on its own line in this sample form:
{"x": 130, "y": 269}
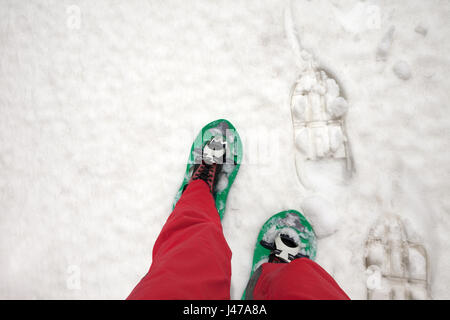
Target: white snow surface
{"x": 101, "y": 100}
{"x": 402, "y": 70}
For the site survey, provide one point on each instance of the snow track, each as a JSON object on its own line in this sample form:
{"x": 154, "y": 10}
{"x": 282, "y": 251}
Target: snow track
{"x": 398, "y": 268}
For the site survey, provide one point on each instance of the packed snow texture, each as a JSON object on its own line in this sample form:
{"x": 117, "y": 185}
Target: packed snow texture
{"x": 100, "y": 102}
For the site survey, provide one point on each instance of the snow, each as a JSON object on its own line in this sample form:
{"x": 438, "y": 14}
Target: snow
{"x": 338, "y": 107}
{"x": 386, "y": 44}
{"x": 222, "y": 183}
{"x": 322, "y": 215}
{"x": 402, "y": 70}
{"x": 418, "y": 267}
{"x": 421, "y": 30}
{"x": 100, "y": 102}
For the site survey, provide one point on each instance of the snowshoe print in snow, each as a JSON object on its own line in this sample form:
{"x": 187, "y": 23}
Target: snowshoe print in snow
{"x": 397, "y": 268}
{"x": 217, "y": 142}
{"x": 318, "y": 110}
{"x": 285, "y": 237}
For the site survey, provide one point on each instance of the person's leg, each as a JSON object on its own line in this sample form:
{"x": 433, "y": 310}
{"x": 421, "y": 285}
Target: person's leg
{"x": 301, "y": 279}
{"x": 191, "y": 259}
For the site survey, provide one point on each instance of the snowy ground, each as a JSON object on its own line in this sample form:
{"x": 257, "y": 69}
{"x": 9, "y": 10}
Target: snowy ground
{"x": 100, "y": 101}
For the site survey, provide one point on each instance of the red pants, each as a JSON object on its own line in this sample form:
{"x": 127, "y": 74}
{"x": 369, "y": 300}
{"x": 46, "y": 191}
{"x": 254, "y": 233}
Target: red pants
{"x": 192, "y": 261}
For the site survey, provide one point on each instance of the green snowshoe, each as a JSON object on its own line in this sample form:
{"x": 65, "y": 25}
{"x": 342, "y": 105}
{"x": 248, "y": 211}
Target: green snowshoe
{"x": 218, "y": 138}
{"x": 283, "y": 238}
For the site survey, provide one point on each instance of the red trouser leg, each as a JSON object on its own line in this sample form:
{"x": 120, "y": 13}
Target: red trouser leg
{"x": 191, "y": 259}
{"x": 302, "y": 279}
